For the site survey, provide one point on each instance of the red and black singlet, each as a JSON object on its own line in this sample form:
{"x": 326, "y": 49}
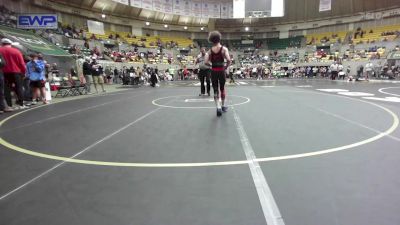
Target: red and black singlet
{"x": 217, "y": 60}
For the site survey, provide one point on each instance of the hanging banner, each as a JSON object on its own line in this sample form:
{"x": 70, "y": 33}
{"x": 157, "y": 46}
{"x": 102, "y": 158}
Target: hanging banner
{"x": 167, "y": 6}
{"x": 325, "y": 5}
{"x": 157, "y": 5}
{"x": 215, "y": 8}
{"x": 147, "y": 4}
{"x": 205, "y": 9}
{"x": 239, "y": 8}
{"x": 187, "y": 8}
{"x": 196, "y": 8}
{"x": 136, "y": 3}
{"x": 125, "y": 2}
{"x": 178, "y": 7}
{"x": 224, "y": 10}
{"x": 230, "y": 8}
{"x": 95, "y": 27}
{"x": 182, "y": 7}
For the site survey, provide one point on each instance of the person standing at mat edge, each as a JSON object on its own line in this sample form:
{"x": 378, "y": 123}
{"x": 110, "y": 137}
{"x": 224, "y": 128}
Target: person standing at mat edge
{"x": 87, "y": 73}
{"x": 334, "y": 70}
{"x": 35, "y": 72}
{"x": 204, "y": 72}
{"x": 3, "y": 105}
{"x": 97, "y": 75}
{"x": 217, "y": 56}
{"x": 14, "y": 70}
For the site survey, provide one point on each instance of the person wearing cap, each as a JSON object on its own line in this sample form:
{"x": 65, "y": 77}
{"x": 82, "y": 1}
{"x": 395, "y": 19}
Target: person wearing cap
{"x": 14, "y": 71}
{"x": 97, "y": 74}
{"x": 35, "y": 72}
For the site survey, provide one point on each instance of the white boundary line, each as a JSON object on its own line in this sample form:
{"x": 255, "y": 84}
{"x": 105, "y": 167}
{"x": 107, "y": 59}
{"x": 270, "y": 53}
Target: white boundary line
{"x": 68, "y": 113}
{"x": 345, "y": 147}
{"x": 270, "y": 208}
{"x": 194, "y": 107}
{"x": 388, "y": 93}
{"x": 77, "y": 154}
{"x": 390, "y": 130}
{"x": 354, "y": 122}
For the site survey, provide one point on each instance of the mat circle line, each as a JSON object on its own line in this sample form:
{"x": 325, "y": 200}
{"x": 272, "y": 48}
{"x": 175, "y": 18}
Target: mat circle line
{"x": 388, "y": 93}
{"x": 390, "y": 130}
{"x": 154, "y": 102}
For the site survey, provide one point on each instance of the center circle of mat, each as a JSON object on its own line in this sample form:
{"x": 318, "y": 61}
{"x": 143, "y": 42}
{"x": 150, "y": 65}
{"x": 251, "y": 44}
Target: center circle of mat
{"x": 156, "y": 102}
{"x": 390, "y": 130}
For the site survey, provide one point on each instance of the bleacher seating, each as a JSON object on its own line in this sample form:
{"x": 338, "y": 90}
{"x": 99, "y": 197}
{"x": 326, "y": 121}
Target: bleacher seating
{"x": 321, "y": 38}
{"x": 276, "y": 43}
{"x": 376, "y": 34}
{"x": 144, "y": 41}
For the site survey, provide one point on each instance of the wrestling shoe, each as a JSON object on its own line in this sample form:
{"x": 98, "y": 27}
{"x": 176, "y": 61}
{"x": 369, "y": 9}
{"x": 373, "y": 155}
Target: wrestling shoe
{"x": 219, "y": 112}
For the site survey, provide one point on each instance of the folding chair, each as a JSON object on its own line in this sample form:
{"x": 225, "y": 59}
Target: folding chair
{"x": 65, "y": 89}
{"x": 77, "y": 87}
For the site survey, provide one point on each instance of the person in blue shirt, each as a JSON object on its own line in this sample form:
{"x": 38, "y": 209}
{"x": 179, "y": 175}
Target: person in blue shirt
{"x": 36, "y": 74}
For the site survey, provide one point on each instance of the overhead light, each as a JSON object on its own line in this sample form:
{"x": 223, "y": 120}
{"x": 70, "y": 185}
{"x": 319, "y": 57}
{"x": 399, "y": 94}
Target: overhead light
{"x": 246, "y": 28}
{"x": 103, "y": 16}
{"x": 202, "y": 28}
{"x": 165, "y": 25}
{"x": 147, "y": 23}
{"x": 185, "y": 27}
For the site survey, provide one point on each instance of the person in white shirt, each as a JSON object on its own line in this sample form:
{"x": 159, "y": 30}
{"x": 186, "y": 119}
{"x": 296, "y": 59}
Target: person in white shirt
{"x": 334, "y": 70}
{"x": 369, "y": 68}
{"x": 315, "y": 71}
{"x": 341, "y": 73}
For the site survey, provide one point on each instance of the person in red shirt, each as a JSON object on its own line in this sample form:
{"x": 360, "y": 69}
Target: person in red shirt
{"x": 14, "y": 71}
{"x": 3, "y": 104}
{"x": 185, "y": 73}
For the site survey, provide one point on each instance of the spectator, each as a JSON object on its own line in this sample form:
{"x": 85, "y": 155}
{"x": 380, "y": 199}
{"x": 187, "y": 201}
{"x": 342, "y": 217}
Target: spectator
{"x": 73, "y": 72}
{"x": 3, "y": 105}
{"x": 107, "y": 72}
{"x": 116, "y": 74}
{"x": 360, "y": 71}
{"x": 185, "y": 73}
{"x": 14, "y": 70}
{"x": 87, "y": 72}
{"x": 341, "y": 73}
{"x": 35, "y": 72}
{"x": 97, "y": 75}
{"x": 334, "y": 70}
{"x": 315, "y": 71}
{"x": 153, "y": 78}
{"x": 86, "y": 45}
{"x": 369, "y": 67}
